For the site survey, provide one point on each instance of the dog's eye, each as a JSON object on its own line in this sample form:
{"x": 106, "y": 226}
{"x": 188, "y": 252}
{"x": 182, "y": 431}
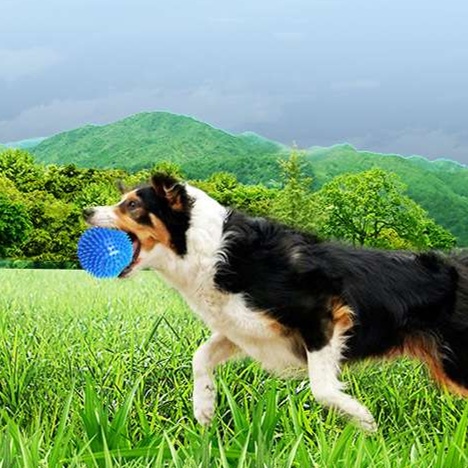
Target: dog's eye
{"x": 132, "y": 204}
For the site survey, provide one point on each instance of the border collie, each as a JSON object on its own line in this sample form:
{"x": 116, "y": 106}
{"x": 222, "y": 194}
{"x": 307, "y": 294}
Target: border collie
{"x": 291, "y": 301}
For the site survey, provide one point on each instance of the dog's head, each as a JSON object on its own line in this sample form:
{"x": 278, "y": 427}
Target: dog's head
{"x": 156, "y": 215}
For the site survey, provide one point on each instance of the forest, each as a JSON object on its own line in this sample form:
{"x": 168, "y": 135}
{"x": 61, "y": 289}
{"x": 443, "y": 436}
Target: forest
{"x": 41, "y": 205}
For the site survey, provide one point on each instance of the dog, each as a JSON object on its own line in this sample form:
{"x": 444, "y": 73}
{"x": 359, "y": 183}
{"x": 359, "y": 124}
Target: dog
{"x": 290, "y": 300}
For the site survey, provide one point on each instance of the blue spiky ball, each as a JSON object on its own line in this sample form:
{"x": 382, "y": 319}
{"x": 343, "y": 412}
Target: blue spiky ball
{"x": 105, "y": 252}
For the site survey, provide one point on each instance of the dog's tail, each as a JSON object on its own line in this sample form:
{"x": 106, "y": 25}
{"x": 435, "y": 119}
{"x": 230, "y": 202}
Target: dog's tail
{"x": 461, "y": 259}
{"x": 444, "y": 348}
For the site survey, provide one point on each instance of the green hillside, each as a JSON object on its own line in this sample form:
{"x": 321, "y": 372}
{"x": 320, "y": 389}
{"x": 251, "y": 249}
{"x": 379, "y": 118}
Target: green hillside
{"x": 142, "y": 140}
{"x": 441, "y": 187}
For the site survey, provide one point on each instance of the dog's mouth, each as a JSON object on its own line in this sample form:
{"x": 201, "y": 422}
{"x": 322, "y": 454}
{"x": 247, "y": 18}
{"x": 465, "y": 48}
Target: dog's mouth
{"x": 136, "y": 244}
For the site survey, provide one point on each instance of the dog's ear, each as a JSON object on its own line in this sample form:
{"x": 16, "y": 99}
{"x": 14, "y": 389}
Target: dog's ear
{"x": 171, "y": 190}
{"x": 121, "y": 187}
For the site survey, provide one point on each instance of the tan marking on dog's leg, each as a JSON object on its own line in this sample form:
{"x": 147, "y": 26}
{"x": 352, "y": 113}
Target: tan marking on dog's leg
{"x": 213, "y": 352}
{"x": 426, "y": 348}
{"x": 342, "y": 315}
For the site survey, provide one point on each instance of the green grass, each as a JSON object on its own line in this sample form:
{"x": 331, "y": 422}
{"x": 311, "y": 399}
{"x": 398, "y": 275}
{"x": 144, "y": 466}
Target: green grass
{"x": 98, "y": 373}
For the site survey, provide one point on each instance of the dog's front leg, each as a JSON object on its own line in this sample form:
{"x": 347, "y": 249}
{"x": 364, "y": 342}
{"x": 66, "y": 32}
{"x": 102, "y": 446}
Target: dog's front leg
{"x": 216, "y": 350}
{"x": 324, "y": 365}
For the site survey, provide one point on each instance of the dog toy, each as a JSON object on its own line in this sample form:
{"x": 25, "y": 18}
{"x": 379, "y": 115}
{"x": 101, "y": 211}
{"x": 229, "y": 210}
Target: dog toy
{"x": 104, "y": 252}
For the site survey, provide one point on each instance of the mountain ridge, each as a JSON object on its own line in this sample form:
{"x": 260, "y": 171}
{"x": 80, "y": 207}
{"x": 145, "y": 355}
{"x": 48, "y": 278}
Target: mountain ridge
{"x": 142, "y": 140}
{"x": 29, "y": 143}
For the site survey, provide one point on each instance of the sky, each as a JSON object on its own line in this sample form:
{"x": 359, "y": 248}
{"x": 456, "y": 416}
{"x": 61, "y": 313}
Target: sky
{"x": 384, "y": 75}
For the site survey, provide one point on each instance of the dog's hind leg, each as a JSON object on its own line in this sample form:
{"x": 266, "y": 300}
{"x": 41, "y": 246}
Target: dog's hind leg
{"x": 216, "y": 350}
{"x": 446, "y": 357}
{"x": 323, "y": 367}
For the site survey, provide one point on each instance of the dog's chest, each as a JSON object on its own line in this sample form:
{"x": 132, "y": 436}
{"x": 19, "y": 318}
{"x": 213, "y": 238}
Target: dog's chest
{"x": 257, "y": 335}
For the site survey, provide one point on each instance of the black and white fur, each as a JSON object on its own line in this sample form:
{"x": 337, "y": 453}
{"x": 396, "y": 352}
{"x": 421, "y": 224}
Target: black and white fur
{"x": 291, "y": 301}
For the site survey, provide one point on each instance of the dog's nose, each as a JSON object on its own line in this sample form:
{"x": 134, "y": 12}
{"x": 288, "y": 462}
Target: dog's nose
{"x": 88, "y": 212}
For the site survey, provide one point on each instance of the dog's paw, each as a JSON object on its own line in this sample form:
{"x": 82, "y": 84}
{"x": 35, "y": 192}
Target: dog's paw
{"x": 204, "y": 402}
{"x": 366, "y": 421}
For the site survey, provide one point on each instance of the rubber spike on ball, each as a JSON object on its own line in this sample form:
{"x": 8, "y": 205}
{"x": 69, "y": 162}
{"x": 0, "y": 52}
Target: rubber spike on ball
{"x": 104, "y": 252}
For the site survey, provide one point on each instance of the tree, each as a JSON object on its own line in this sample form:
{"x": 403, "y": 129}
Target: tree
{"x": 371, "y": 208}
{"x": 168, "y": 167}
{"x": 295, "y": 205}
{"x": 8, "y": 189}
{"x": 57, "y": 225}
{"x": 227, "y": 190}
{"x": 97, "y": 194}
{"x": 15, "y": 224}
{"x": 19, "y": 167}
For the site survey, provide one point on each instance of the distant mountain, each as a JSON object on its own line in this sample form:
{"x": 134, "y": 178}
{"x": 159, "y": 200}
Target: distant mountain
{"x": 441, "y": 186}
{"x": 23, "y": 144}
{"x": 142, "y": 140}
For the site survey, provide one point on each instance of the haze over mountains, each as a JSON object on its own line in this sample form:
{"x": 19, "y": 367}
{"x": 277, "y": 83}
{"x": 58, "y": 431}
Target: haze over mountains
{"x": 142, "y": 140}
{"x": 23, "y": 144}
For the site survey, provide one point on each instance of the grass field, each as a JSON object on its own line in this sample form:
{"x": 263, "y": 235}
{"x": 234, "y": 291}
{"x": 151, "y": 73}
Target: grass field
{"x": 98, "y": 373}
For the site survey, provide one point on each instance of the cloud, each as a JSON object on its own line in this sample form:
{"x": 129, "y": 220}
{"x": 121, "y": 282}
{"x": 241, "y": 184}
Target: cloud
{"x": 225, "y": 20}
{"x": 290, "y": 36}
{"x": 226, "y": 109}
{"x": 432, "y": 143}
{"x": 355, "y": 85}
{"x": 19, "y": 63}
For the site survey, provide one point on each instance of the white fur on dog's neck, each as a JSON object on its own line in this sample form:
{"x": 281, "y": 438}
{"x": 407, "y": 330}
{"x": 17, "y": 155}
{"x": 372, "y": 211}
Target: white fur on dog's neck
{"x": 195, "y": 269}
